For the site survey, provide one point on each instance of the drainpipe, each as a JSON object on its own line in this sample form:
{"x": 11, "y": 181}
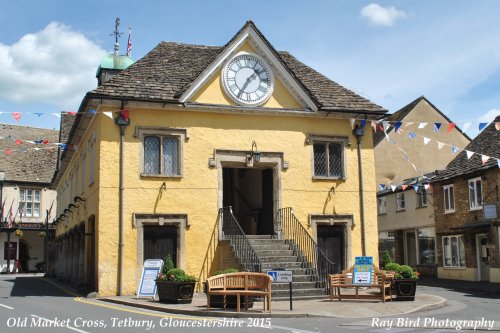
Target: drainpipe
{"x": 359, "y": 132}
{"x": 122, "y": 122}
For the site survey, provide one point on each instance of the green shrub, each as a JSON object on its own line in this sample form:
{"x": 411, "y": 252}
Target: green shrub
{"x": 168, "y": 264}
{"x": 406, "y": 272}
{"x": 226, "y": 271}
{"x": 386, "y": 258}
{"x": 170, "y": 273}
{"x": 392, "y": 267}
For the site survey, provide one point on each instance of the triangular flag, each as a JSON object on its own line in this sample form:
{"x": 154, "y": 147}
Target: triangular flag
{"x": 386, "y": 125}
{"x": 415, "y": 187}
{"x": 437, "y": 126}
{"x": 58, "y": 115}
{"x": 454, "y": 149}
{"x": 16, "y": 115}
{"x": 45, "y": 142}
{"x": 440, "y": 145}
{"x": 482, "y": 126}
{"x": 382, "y": 187}
{"x": 393, "y": 187}
{"x": 426, "y": 140}
{"x": 466, "y": 126}
{"x": 126, "y": 116}
{"x": 497, "y": 126}
{"x": 109, "y": 114}
{"x": 18, "y": 142}
{"x": 469, "y": 154}
{"x": 352, "y": 120}
{"x": 39, "y": 114}
{"x": 73, "y": 113}
{"x": 36, "y": 149}
{"x": 451, "y": 126}
{"x": 23, "y": 150}
{"x": 91, "y": 111}
{"x": 484, "y": 159}
{"x": 404, "y": 187}
{"x": 412, "y": 135}
{"x": 397, "y": 125}
{"x": 363, "y": 122}
{"x": 9, "y": 151}
{"x": 422, "y": 125}
{"x": 427, "y": 186}
{"x": 498, "y": 162}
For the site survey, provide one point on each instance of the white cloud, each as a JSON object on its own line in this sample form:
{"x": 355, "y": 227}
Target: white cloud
{"x": 378, "y": 15}
{"x": 55, "y": 65}
{"x": 489, "y": 116}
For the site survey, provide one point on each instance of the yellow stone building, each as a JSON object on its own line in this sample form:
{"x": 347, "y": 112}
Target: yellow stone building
{"x": 166, "y": 144}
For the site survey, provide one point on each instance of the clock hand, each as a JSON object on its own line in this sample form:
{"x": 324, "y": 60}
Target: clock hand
{"x": 250, "y": 78}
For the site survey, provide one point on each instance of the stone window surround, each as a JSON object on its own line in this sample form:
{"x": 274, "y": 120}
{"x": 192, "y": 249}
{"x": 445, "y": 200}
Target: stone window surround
{"x": 21, "y": 188}
{"x": 223, "y": 158}
{"x": 451, "y": 202}
{"x": 346, "y": 220}
{"x": 321, "y": 138}
{"x": 178, "y": 220}
{"x": 380, "y": 200}
{"x": 180, "y": 133}
{"x": 458, "y": 236}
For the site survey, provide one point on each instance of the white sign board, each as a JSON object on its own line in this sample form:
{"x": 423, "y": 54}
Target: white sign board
{"x": 281, "y": 276}
{"x": 147, "y": 285}
{"x": 490, "y": 212}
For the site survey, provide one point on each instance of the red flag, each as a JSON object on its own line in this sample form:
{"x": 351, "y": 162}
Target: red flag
{"x": 73, "y": 113}
{"x": 451, "y": 126}
{"x": 125, "y": 114}
{"x": 18, "y": 142}
{"x": 9, "y": 151}
{"x": 404, "y": 187}
{"x": 45, "y": 142}
{"x": 16, "y": 115}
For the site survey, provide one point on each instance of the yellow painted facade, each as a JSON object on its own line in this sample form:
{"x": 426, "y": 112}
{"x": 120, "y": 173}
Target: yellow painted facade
{"x": 467, "y": 274}
{"x": 197, "y": 192}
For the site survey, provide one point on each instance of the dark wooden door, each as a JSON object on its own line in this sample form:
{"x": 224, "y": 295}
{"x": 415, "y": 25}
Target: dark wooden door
{"x": 331, "y": 241}
{"x": 265, "y": 226}
{"x": 160, "y": 241}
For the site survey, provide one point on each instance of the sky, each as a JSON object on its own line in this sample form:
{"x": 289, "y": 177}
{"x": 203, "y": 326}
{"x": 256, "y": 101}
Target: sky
{"x": 390, "y": 52}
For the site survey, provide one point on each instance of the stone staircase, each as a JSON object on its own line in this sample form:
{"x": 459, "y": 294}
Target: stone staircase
{"x": 277, "y": 253}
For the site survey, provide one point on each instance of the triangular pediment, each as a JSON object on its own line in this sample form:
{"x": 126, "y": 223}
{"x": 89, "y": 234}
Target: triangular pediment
{"x": 209, "y": 87}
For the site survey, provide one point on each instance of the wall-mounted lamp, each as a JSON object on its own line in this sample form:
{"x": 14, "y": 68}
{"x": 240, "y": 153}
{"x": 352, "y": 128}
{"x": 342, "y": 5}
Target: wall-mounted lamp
{"x": 254, "y": 154}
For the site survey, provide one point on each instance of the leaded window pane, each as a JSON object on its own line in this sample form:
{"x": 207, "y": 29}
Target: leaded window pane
{"x": 479, "y": 193}
{"x": 170, "y": 156}
{"x": 320, "y": 162}
{"x": 152, "y": 155}
{"x": 452, "y": 198}
{"x": 335, "y": 159}
{"x": 36, "y": 209}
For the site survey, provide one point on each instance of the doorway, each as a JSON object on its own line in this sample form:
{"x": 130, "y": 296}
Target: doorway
{"x": 331, "y": 240}
{"x": 411, "y": 248}
{"x": 250, "y": 193}
{"x": 483, "y": 257}
{"x": 160, "y": 241}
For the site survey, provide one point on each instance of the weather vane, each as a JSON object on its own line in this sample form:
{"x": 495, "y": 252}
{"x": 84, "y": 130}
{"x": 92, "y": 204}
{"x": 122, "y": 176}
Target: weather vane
{"x": 116, "y": 33}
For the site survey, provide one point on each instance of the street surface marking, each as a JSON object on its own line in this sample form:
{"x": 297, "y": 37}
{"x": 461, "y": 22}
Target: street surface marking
{"x": 68, "y": 327}
{"x": 6, "y": 306}
{"x": 291, "y": 329}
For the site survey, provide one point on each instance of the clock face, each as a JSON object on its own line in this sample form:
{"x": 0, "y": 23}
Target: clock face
{"x": 248, "y": 79}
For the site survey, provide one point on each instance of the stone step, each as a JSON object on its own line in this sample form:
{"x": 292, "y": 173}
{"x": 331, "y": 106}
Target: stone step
{"x": 295, "y": 285}
{"x": 287, "y": 265}
{"x": 279, "y": 247}
{"x": 267, "y": 241}
{"x": 278, "y": 253}
{"x": 297, "y": 292}
{"x": 272, "y": 259}
{"x": 259, "y": 236}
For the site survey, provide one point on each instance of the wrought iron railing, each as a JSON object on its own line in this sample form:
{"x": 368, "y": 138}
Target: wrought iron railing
{"x": 308, "y": 252}
{"x": 233, "y": 232}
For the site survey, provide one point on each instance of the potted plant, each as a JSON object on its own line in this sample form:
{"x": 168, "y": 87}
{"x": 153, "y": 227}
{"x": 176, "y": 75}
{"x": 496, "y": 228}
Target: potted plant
{"x": 217, "y": 301}
{"x": 174, "y": 285}
{"x": 404, "y": 284}
{"x": 19, "y": 233}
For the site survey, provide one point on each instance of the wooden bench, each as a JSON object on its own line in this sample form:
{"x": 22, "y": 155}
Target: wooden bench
{"x": 380, "y": 280}
{"x": 240, "y": 284}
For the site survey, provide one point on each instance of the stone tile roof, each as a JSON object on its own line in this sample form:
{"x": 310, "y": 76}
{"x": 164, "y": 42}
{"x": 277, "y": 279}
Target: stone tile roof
{"x": 31, "y": 166}
{"x": 486, "y": 143}
{"x": 167, "y": 71}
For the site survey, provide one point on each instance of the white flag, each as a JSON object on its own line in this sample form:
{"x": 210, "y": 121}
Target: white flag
{"x": 422, "y": 125}
{"x": 426, "y": 140}
{"x": 440, "y": 145}
{"x": 352, "y": 120}
{"x": 469, "y": 154}
{"x": 109, "y": 114}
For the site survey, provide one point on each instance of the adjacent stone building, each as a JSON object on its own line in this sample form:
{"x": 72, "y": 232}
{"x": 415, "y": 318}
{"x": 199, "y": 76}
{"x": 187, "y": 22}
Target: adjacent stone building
{"x": 466, "y": 201}
{"x": 27, "y": 165}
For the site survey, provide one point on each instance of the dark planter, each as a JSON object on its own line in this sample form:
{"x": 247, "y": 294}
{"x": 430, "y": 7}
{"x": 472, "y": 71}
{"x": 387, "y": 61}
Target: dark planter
{"x": 217, "y": 301}
{"x": 175, "y": 292}
{"x": 404, "y": 289}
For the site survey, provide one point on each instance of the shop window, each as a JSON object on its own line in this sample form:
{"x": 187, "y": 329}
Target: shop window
{"x": 427, "y": 246}
{"x": 453, "y": 251}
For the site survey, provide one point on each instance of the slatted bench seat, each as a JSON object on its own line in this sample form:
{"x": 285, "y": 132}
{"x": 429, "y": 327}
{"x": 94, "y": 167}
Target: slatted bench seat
{"x": 240, "y": 284}
{"x": 380, "y": 280}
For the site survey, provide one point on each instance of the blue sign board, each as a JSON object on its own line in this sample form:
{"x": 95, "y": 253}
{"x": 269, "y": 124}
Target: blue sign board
{"x": 362, "y": 273}
{"x": 150, "y": 271}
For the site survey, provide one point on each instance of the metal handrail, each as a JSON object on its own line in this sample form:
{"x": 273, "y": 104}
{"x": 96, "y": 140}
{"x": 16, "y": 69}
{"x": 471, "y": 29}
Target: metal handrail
{"x": 233, "y": 232}
{"x": 309, "y": 254}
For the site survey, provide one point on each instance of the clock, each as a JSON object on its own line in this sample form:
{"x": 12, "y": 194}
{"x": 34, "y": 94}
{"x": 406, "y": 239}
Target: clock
{"x": 247, "y": 79}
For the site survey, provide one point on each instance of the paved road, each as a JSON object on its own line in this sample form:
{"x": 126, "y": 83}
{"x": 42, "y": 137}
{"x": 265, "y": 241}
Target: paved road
{"x": 34, "y": 304}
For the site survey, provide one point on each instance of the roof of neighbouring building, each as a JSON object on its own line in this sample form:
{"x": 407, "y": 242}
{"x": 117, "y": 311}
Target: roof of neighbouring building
{"x": 402, "y": 113}
{"x": 26, "y": 164}
{"x": 168, "y": 70}
{"x": 486, "y": 143}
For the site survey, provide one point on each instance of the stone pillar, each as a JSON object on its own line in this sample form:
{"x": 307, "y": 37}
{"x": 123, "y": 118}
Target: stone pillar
{"x": 81, "y": 257}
